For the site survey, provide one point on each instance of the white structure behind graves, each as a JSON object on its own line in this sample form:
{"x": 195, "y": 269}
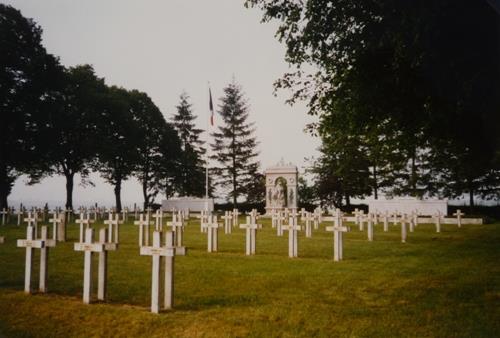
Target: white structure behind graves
{"x": 281, "y": 187}
{"x": 408, "y": 205}
{"x": 188, "y": 203}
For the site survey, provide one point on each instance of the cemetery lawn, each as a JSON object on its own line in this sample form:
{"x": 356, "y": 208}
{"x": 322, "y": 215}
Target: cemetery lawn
{"x": 435, "y": 285}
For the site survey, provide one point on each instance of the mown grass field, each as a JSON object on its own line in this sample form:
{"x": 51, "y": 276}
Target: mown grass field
{"x": 435, "y": 285}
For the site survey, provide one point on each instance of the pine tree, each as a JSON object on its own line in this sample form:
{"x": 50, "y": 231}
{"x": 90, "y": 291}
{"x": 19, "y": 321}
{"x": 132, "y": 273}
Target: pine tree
{"x": 234, "y": 146}
{"x": 191, "y": 181}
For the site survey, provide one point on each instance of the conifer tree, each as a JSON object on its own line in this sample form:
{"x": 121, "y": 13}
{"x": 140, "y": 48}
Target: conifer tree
{"x": 191, "y": 180}
{"x": 234, "y": 146}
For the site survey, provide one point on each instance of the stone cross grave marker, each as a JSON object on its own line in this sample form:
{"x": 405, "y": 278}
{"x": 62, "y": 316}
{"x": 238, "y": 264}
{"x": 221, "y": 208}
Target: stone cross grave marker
{"x": 308, "y": 218}
{"x": 68, "y": 213}
{"x": 437, "y": 219}
{"x": 157, "y": 252}
{"x": 411, "y": 223}
{"x": 362, "y": 218}
{"x": 89, "y": 247}
{"x": 404, "y": 220}
{"x": 228, "y": 219}
{"x": 385, "y": 219}
{"x": 459, "y": 215}
{"x": 203, "y": 217}
{"x": 4, "y": 213}
{"x": 369, "y": 226}
{"x": 338, "y": 240}
{"x": 212, "y": 233}
{"x": 302, "y": 213}
{"x": 395, "y": 218}
{"x": 55, "y": 220}
{"x": 113, "y": 222}
{"x": 236, "y": 214}
{"x": 177, "y": 225}
{"x": 158, "y": 216}
{"x": 143, "y": 224}
{"x": 30, "y": 243}
{"x": 20, "y": 215}
{"x": 293, "y": 244}
{"x": 251, "y": 235}
{"x": 32, "y": 221}
{"x": 415, "y": 218}
{"x": 84, "y": 221}
{"x": 280, "y": 218}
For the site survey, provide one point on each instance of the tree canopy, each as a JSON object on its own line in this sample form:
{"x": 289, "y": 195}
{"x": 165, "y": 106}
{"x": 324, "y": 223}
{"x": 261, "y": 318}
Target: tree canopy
{"x": 414, "y": 84}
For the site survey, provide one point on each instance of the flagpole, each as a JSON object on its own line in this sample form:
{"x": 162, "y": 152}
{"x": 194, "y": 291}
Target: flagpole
{"x": 207, "y": 150}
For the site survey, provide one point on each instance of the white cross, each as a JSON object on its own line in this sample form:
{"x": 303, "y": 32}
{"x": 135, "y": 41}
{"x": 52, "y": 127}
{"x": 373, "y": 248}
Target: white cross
{"x": 203, "y": 217}
{"x": 236, "y": 214}
{"x": 356, "y": 214}
{"x": 395, "y": 218}
{"x": 251, "y": 234}
{"x": 32, "y": 221}
{"x": 31, "y": 243}
{"x": 370, "y": 227}
{"x": 308, "y": 219}
{"x": 459, "y": 215}
{"x": 279, "y": 223}
{"x": 158, "y": 216}
{"x": 55, "y": 220}
{"x": 20, "y": 214}
{"x": 89, "y": 247}
{"x": 437, "y": 218}
{"x": 212, "y": 233}
{"x": 228, "y": 219}
{"x": 362, "y": 219}
{"x": 404, "y": 220}
{"x": 302, "y": 212}
{"x": 177, "y": 225}
{"x": 157, "y": 252}
{"x": 4, "y": 213}
{"x": 386, "y": 221}
{"x": 143, "y": 224}
{"x": 68, "y": 213}
{"x": 83, "y": 220}
{"x": 113, "y": 223}
{"x": 338, "y": 241}
{"x": 292, "y": 228}
{"x": 415, "y": 218}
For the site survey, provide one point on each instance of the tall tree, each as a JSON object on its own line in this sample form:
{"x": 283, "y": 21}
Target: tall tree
{"x": 72, "y": 128}
{"x": 118, "y": 134}
{"x": 29, "y": 76}
{"x": 191, "y": 169}
{"x": 158, "y": 148}
{"x": 234, "y": 146}
{"x": 413, "y": 65}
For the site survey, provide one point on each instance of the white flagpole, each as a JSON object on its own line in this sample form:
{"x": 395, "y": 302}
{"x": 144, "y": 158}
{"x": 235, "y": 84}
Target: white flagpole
{"x": 207, "y": 149}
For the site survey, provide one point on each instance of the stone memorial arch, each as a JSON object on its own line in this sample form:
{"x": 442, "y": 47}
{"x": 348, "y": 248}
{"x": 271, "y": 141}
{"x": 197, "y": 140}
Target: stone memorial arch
{"x": 281, "y": 187}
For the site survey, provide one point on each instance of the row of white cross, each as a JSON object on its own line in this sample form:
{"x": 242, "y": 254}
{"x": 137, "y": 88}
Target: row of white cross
{"x": 108, "y": 241}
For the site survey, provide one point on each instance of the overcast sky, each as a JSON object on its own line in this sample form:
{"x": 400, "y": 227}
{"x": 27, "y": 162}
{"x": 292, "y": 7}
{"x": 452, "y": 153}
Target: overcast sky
{"x": 162, "y": 48}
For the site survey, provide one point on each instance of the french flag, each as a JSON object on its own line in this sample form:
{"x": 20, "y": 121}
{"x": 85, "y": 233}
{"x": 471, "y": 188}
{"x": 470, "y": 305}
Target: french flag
{"x": 211, "y": 107}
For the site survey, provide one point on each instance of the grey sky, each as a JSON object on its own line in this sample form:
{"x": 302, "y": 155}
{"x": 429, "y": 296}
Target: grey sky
{"x": 165, "y": 47}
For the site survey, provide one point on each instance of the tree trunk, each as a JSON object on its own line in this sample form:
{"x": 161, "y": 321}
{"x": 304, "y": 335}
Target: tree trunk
{"x": 118, "y": 189}
{"x": 145, "y": 193}
{"x": 69, "y": 189}
{"x": 413, "y": 178}
{"x": 347, "y": 201}
{"x": 375, "y": 185}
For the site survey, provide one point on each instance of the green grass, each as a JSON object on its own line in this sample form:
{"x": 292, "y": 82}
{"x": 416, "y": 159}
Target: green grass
{"x": 435, "y": 285}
